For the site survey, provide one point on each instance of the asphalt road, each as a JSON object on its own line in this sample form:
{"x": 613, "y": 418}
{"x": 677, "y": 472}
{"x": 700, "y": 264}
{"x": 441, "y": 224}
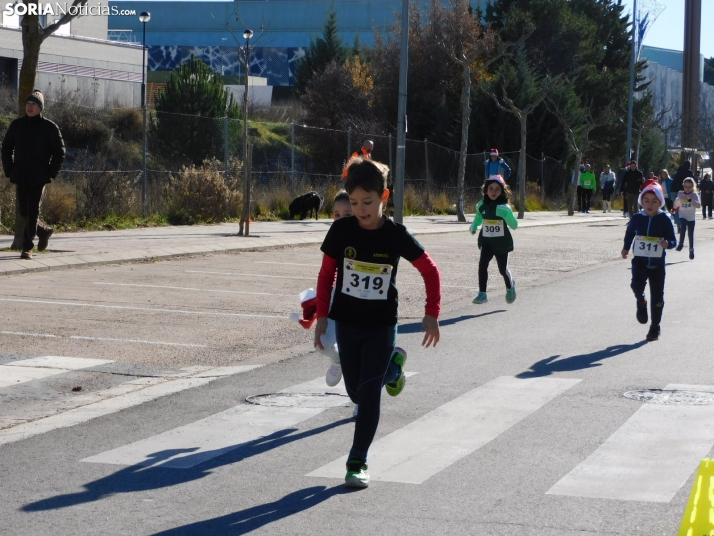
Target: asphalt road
{"x": 515, "y": 424}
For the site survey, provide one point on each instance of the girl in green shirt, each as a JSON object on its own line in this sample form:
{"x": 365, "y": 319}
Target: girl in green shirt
{"x": 494, "y": 216}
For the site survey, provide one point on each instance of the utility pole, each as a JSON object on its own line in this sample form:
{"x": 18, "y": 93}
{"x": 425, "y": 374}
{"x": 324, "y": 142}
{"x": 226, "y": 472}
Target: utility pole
{"x": 401, "y": 117}
{"x": 690, "y": 75}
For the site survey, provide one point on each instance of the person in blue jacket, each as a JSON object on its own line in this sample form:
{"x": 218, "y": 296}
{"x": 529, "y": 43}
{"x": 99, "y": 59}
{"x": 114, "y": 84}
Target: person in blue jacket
{"x": 649, "y": 233}
{"x": 496, "y": 166}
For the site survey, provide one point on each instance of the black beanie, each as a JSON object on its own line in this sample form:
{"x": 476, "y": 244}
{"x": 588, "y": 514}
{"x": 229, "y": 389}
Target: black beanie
{"x": 36, "y": 97}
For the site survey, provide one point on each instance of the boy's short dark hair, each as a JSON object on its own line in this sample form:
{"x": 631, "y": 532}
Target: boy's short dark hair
{"x": 341, "y": 196}
{"x": 367, "y": 174}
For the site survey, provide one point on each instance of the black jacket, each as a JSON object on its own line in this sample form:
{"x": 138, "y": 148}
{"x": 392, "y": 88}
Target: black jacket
{"x": 32, "y": 151}
{"x": 632, "y": 181}
{"x": 683, "y": 172}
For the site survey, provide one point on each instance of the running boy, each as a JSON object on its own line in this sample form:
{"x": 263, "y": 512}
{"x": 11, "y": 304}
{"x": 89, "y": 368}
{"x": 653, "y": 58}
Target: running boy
{"x": 649, "y": 232}
{"x": 495, "y": 239}
{"x": 364, "y": 251}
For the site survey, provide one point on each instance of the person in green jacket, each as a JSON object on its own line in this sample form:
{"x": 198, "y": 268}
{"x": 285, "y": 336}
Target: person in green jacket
{"x": 494, "y": 216}
{"x": 588, "y": 184}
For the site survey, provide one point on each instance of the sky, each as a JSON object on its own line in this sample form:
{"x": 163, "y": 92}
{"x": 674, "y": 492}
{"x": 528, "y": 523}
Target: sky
{"x": 668, "y": 29}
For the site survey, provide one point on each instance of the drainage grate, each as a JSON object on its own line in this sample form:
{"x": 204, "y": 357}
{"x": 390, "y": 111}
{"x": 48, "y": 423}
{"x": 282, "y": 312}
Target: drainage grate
{"x": 300, "y": 400}
{"x": 672, "y": 397}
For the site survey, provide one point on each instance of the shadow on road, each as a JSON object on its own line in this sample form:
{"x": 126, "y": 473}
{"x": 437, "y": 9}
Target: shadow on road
{"x": 415, "y": 327}
{"x": 250, "y": 519}
{"x": 152, "y": 475}
{"x": 549, "y": 365}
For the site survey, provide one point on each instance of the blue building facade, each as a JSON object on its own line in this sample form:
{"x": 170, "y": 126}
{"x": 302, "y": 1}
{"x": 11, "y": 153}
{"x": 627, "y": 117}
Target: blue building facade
{"x": 282, "y": 30}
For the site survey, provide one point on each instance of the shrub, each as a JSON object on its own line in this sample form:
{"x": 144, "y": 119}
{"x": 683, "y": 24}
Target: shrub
{"x": 127, "y": 123}
{"x": 59, "y": 204}
{"x": 104, "y": 193}
{"x": 201, "y": 194}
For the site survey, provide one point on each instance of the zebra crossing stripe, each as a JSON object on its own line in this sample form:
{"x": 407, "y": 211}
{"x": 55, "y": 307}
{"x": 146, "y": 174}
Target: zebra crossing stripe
{"x": 649, "y": 457}
{"x": 454, "y": 430}
{"x": 126, "y": 397}
{"x": 27, "y": 370}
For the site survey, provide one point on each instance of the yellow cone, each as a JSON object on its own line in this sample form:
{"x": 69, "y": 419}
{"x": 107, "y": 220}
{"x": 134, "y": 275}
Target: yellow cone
{"x": 699, "y": 515}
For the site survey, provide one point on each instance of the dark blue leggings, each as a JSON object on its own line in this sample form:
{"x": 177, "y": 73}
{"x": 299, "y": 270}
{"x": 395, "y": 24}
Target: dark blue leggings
{"x": 365, "y": 355}
{"x": 688, "y": 226}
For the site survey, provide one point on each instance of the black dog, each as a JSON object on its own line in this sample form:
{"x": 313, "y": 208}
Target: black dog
{"x": 304, "y": 204}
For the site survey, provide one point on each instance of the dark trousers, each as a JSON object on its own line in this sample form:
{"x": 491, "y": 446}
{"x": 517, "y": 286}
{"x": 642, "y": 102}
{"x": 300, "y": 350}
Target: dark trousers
{"x": 28, "y": 202}
{"x": 640, "y": 275}
{"x": 631, "y": 204}
{"x": 580, "y": 198}
{"x": 586, "y": 195}
{"x": 688, "y": 226}
{"x": 365, "y": 355}
{"x": 501, "y": 258}
{"x": 707, "y": 204}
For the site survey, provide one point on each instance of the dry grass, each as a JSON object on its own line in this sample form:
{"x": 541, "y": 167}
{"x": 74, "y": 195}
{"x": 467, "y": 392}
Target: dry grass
{"x": 59, "y": 203}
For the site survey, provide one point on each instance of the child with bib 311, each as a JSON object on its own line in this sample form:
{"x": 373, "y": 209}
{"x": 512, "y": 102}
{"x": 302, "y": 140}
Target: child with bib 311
{"x": 495, "y": 239}
{"x": 649, "y": 233}
{"x": 363, "y": 253}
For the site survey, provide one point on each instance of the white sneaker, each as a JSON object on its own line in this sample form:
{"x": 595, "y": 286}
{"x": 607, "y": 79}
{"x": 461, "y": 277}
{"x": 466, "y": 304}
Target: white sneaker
{"x": 334, "y": 375}
{"x": 355, "y": 411}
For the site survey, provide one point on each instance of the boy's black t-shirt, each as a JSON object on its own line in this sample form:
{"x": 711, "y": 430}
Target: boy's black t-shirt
{"x": 367, "y": 295}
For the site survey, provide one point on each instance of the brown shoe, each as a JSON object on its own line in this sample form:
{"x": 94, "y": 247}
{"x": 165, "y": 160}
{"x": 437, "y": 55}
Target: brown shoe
{"x": 26, "y": 255}
{"x": 44, "y": 237}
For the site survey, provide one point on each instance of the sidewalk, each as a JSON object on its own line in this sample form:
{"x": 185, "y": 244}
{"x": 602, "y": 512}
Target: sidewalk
{"x": 96, "y": 248}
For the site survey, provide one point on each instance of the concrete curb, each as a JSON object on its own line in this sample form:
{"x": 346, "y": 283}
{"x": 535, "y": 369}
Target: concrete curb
{"x": 10, "y": 267}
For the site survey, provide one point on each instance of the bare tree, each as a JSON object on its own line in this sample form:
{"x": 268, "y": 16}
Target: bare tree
{"x": 578, "y": 122}
{"x": 664, "y": 121}
{"x": 474, "y": 48}
{"x": 532, "y": 89}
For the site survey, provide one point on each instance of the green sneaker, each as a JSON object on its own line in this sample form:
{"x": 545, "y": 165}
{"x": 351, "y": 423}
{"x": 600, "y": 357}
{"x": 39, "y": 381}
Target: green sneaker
{"x": 481, "y": 298}
{"x": 511, "y": 294}
{"x": 399, "y": 357}
{"x": 357, "y": 476}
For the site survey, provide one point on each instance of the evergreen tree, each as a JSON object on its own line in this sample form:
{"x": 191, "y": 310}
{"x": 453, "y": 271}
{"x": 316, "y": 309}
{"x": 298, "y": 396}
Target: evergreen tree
{"x": 709, "y": 71}
{"x": 185, "y": 126}
{"x": 321, "y": 52}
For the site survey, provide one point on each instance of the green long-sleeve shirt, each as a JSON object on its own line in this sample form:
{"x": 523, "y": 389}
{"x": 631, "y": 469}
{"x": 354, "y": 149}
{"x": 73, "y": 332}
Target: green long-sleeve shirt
{"x": 587, "y": 180}
{"x": 491, "y": 217}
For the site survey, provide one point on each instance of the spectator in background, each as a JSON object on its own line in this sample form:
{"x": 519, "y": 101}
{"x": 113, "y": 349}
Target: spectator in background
{"x": 706, "y": 191}
{"x": 364, "y": 152}
{"x": 632, "y": 182}
{"x": 607, "y": 185}
{"x": 588, "y": 183}
{"x": 496, "y": 165}
{"x": 32, "y": 155}
{"x": 665, "y": 182}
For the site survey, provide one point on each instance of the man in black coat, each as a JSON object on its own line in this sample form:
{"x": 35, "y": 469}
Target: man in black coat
{"x": 632, "y": 182}
{"x": 32, "y": 155}
{"x": 683, "y": 171}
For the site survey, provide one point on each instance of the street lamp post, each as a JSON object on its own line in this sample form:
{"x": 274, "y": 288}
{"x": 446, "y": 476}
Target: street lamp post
{"x": 246, "y": 160}
{"x": 144, "y": 18}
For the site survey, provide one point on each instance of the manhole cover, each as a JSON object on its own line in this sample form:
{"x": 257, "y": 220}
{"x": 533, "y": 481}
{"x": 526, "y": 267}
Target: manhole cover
{"x": 300, "y": 400}
{"x": 672, "y": 397}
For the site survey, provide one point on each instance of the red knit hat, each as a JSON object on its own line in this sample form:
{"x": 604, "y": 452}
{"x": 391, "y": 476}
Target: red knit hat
{"x": 494, "y": 152}
{"x": 308, "y": 301}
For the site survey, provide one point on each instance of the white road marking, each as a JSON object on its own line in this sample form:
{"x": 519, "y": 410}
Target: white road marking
{"x": 136, "y": 341}
{"x": 196, "y": 289}
{"x": 28, "y": 370}
{"x": 197, "y": 442}
{"x": 288, "y": 263}
{"x": 649, "y": 457}
{"x": 117, "y": 398}
{"x": 132, "y": 308}
{"x": 454, "y": 430}
{"x": 310, "y": 278}
{"x": 251, "y": 275}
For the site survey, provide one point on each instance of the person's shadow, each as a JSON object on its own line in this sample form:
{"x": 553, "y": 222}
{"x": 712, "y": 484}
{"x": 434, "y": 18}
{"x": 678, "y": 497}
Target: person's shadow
{"x": 250, "y": 519}
{"x": 549, "y": 365}
{"x": 415, "y": 327}
{"x": 152, "y": 475}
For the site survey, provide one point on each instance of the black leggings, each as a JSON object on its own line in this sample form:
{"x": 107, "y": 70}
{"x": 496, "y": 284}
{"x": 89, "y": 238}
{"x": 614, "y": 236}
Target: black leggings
{"x": 640, "y": 275}
{"x": 706, "y": 204}
{"x": 501, "y": 258}
{"x": 687, "y": 225}
{"x": 585, "y": 196}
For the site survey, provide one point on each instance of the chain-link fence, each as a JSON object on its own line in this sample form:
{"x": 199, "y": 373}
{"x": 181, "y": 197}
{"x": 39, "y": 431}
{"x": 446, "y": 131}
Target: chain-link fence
{"x": 102, "y": 174}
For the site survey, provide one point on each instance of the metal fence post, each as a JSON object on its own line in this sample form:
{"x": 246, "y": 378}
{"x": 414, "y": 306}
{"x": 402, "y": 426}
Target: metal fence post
{"x": 391, "y": 169}
{"x": 349, "y": 142}
{"x": 244, "y": 227}
{"x": 426, "y": 166}
{"x": 225, "y": 146}
{"x": 292, "y": 160}
{"x": 542, "y": 175}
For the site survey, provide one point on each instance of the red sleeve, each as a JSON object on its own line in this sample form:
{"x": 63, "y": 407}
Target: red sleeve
{"x": 432, "y": 281}
{"x": 325, "y": 282}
